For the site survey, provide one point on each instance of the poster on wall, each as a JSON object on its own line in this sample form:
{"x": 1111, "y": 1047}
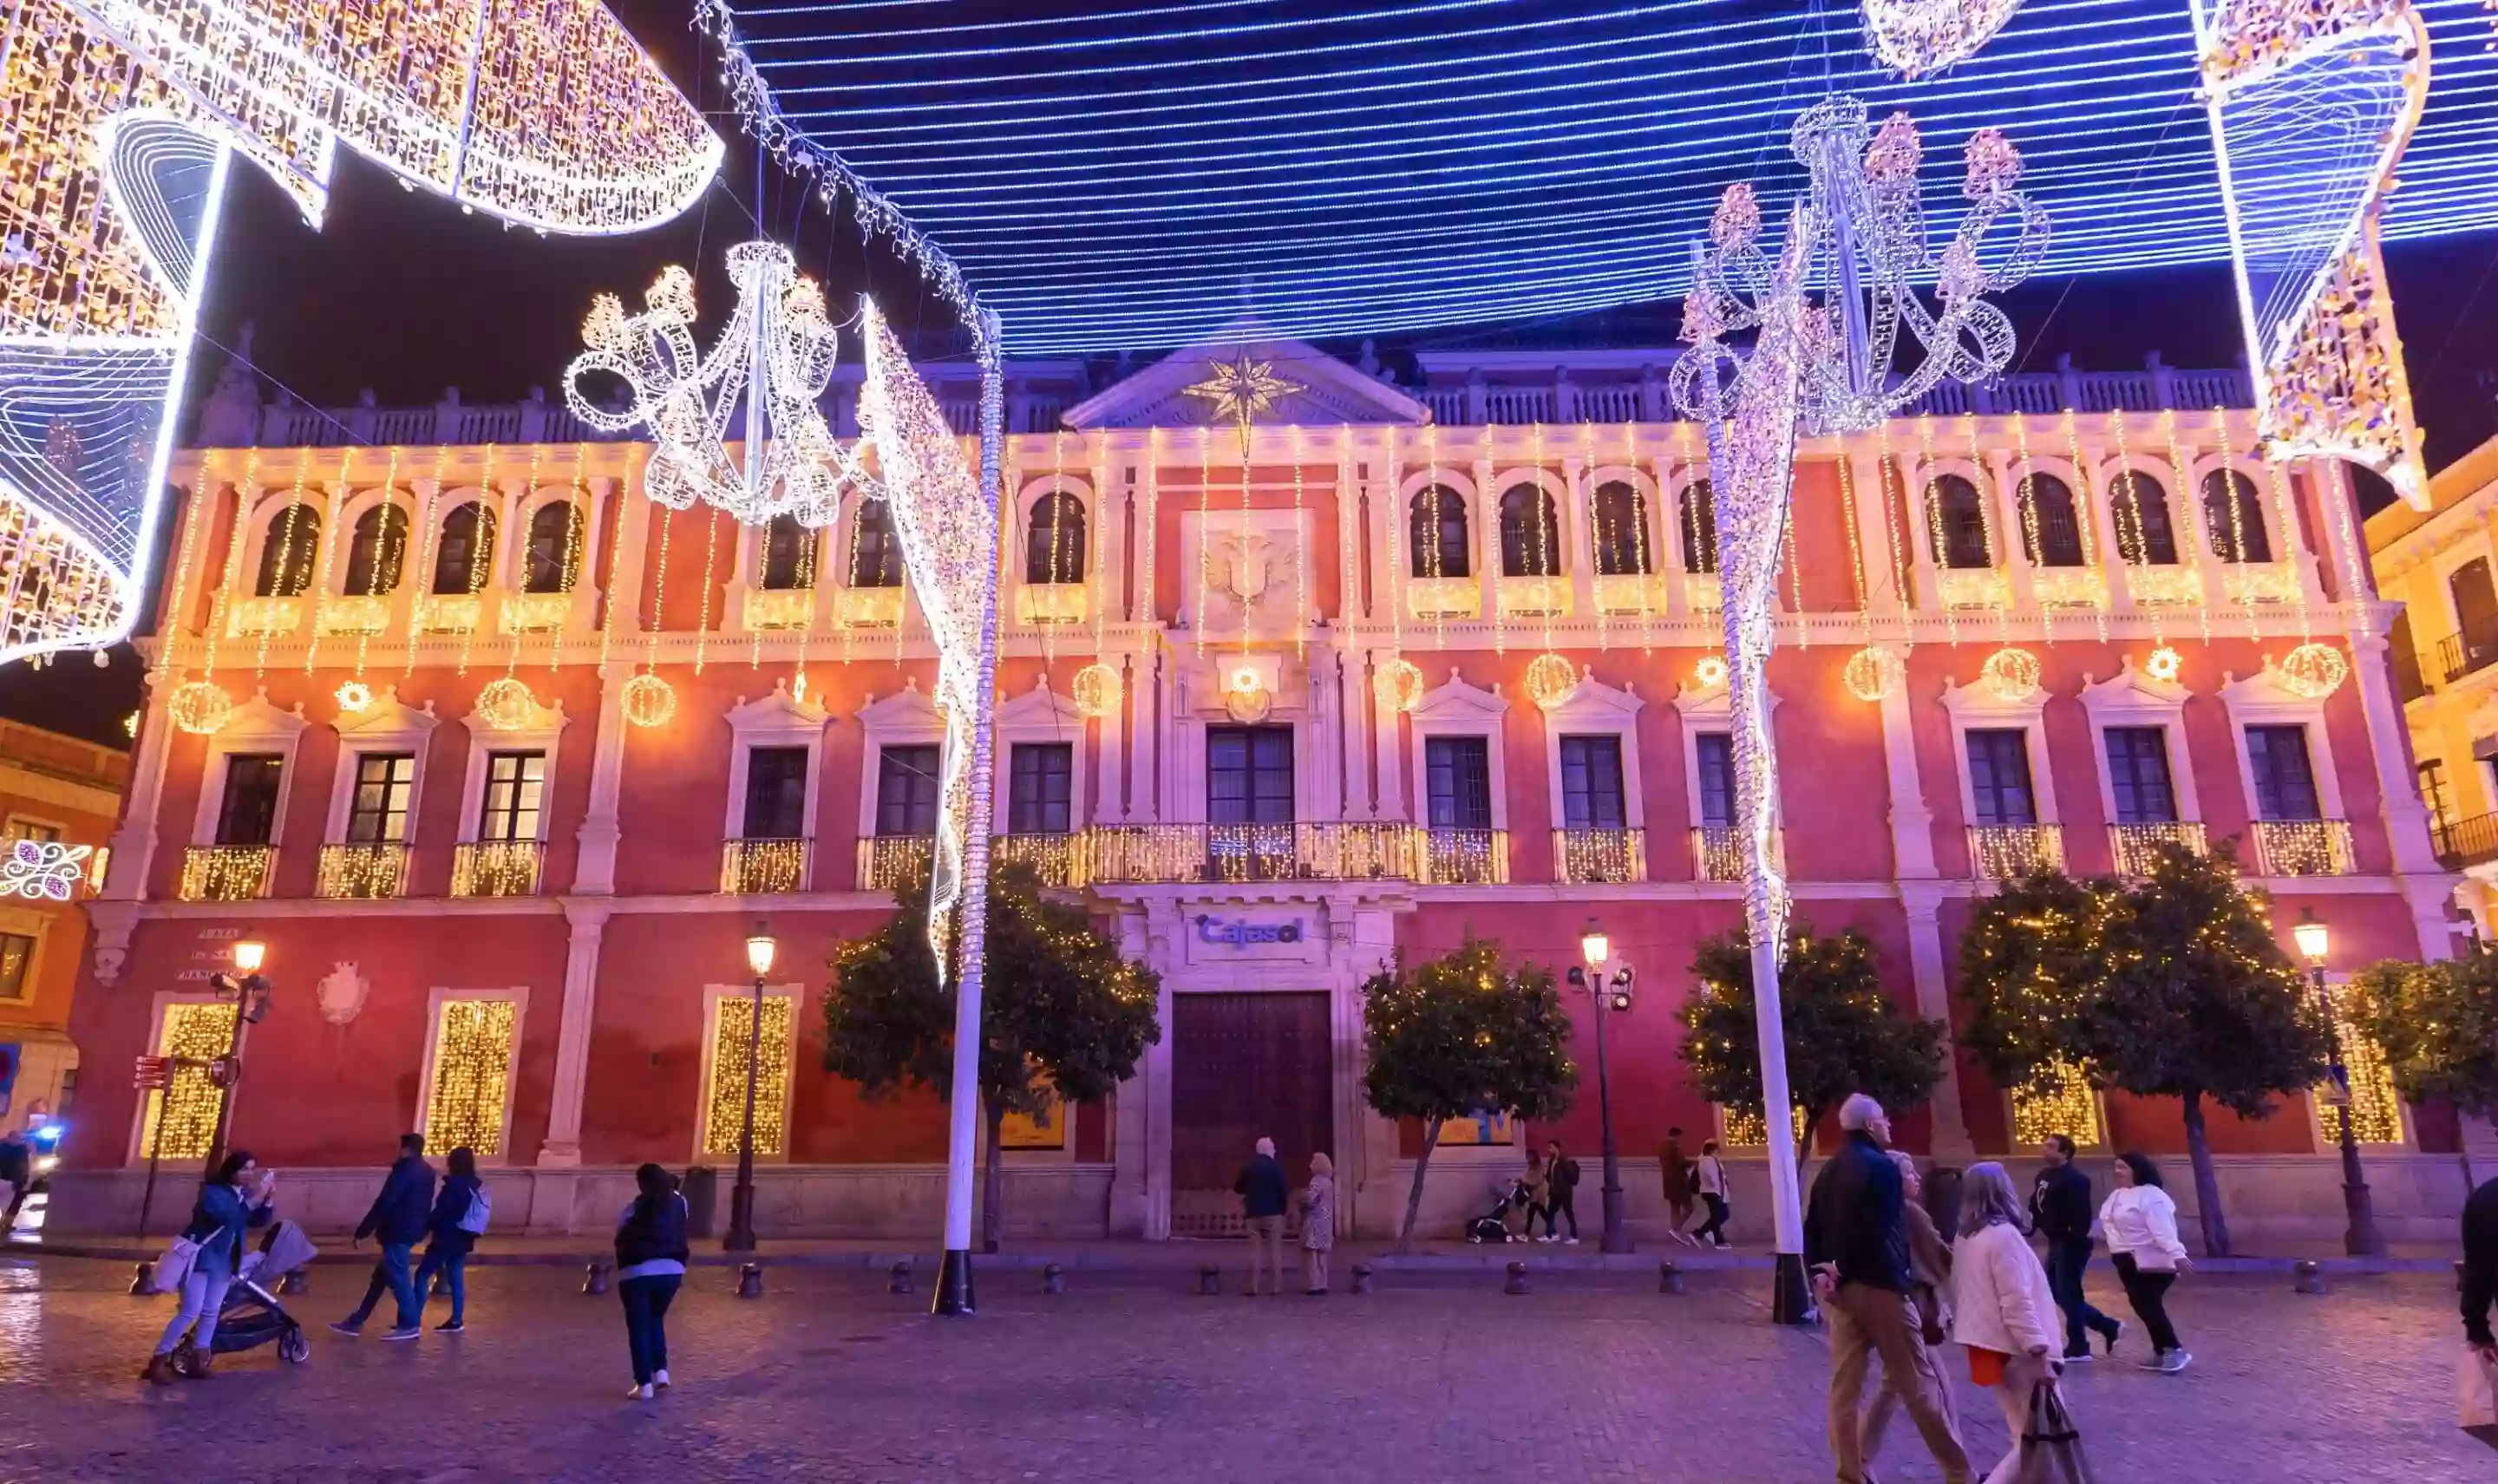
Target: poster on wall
{"x": 1045, "y": 1128}
{"x": 1484, "y": 1127}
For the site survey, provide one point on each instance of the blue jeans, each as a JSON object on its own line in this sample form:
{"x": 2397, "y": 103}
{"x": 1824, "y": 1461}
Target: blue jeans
{"x": 392, "y": 1273}
{"x": 645, "y": 1321}
{"x": 452, "y": 1264}
{"x": 202, "y": 1294}
{"x": 2065, "y": 1261}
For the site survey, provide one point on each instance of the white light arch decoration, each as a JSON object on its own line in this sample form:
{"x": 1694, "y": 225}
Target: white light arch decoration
{"x": 1916, "y": 37}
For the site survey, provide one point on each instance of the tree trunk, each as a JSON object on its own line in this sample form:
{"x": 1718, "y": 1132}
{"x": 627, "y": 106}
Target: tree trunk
{"x": 2207, "y": 1183}
{"x": 1414, "y": 1197}
{"x": 992, "y": 1179}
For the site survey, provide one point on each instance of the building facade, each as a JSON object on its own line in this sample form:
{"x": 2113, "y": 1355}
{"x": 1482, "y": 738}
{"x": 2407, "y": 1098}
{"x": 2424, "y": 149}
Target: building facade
{"x": 60, "y": 798}
{"x": 502, "y": 763}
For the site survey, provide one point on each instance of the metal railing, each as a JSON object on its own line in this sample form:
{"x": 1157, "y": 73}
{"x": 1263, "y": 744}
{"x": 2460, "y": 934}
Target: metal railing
{"x": 226, "y": 873}
{"x": 2474, "y": 649}
{"x": 363, "y": 871}
{"x": 2465, "y": 842}
{"x": 766, "y": 867}
{"x": 2004, "y": 851}
{"x": 1057, "y": 859}
{"x": 2136, "y": 847}
{"x": 497, "y": 867}
{"x": 886, "y": 861}
{"x": 2303, "y": 846}
{"x": 1582, "y": 856}
{"x": 1717, "y": 851}
{"x": 1465, "y": 857}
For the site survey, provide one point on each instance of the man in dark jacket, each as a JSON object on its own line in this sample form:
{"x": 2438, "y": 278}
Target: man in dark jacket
{"x": 397, "y": 1221}
{"x": 1856, "y": 1247}
{"x": 2480, "y": 1268}
{"x": 2060, "y": 1212}
{"x": 1263, "y": 1194}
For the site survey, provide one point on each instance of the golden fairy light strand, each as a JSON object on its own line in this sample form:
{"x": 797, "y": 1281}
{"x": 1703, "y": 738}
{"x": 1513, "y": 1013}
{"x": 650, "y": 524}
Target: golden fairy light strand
{"x": 1097, "y": 535}
{"x": 2086, "y": 509}
{"x": 428, "y": 550}
{"x": 236, "y": 538}
{"x": 2139, "y": 562}
{"x": 285, "y": 561}
{"x": 1431, "y": 531}
{"x": 517, "y": 582}
{"x": 180, "y": 612}
{"x": 1795, "y": 579}
{"x": 1584, "y": 497}
{"x": 2034, "y": 543}
{"x": 384, "y": 556}
{"x": 576, "y": 540}
{"x": 1057, "y": 524}
{"x": 710, "y": 570}
{"x": 1856, "y": 570}
{"x": 1639, "y": 542}
{"x": 1998, "y": 559}
{"x": 613, "y": 592}
{"x": 1300, "y": 566}
{"x": 1899, "y": 561}
{"x": 1244, "y": 538}
{"x": 2294, "y": 538}
{"x": 659, "y": 590}
{"x": 2197, "y": 537}
{"x": 1204, "y": 529}
{"x": 2337, "y": 492}
{"x": 2237, "y": 519}
{"x": 1396, "y": 573}
{"x": 1937, "y": 547}
{"x": 484, "y": 533}
{"x": 851, "y": 573}
{"x": 320, "y": 593}
{"x": 808, "y": 553}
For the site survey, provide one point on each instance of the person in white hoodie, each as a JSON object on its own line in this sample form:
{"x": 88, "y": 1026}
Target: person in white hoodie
{"x": 2139, "y": 1221}
{"x": 2001, "y": 1307}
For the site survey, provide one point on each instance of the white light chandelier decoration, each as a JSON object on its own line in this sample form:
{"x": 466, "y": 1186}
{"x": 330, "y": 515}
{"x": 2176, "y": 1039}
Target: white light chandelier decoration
{"x": 1828, "y": 311}
{"x": 1916, "y": 37}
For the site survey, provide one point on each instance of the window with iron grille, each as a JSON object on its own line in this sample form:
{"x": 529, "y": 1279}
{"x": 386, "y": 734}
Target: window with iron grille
{"x": 776, "y": 793}
{"x": 2144, "y": 533}
{"x": 16, "y": 963}
{"x": 1998, "y": 777}
{"x": 906, "y": 791}
{"x": 1458, "y": 774}
{"x": 1040, "y": 789}
{"x": 2137, "y": 760}
{"x": 248, "y": 815}
{"x": 1715, "y": 752}
{"x": 2051, "y": 527}
{"x": 1249, "y": 775}
{"x": 875, "y": 550}
{"x": 1439, "y": 534}
{"x": 385, "y": 784}
{"x": 515, "y": 794}
{"x": 2284, "y": 776}
{"x": 1530, "y": 533}
{"x": 1591, "y": 783}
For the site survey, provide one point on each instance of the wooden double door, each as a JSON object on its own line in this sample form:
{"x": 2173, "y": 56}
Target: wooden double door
{"x": 1245, "y": 1066}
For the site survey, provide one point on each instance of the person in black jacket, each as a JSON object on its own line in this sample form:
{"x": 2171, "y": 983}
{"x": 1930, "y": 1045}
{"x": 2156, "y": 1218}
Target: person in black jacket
{"x": 397, "y": 1221}
{"x": 447, "y": 1252}
{"x": 1856, "y": 1247}
{"x": 1561, "y": 1192}
{"x": 2480, "y": 1268}
{"x": 2061, "y": 1213}
{"x": 1263, "y": 1192}
{"x": 651, "y": 1252}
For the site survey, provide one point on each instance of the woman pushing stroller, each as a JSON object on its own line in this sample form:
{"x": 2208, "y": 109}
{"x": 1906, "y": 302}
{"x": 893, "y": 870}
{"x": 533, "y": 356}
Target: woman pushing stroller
{"x": 219, "y": 1218}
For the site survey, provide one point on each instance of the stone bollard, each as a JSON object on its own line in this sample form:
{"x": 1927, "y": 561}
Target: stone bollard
{"x": 899, "y": 1279}
{"x": 293, "y": 1285}
{"x": 1516, "y": 1282}
{"x": 1209, "y": 1280}
{"x": 749, "y": 1281}
{"x": 2306, "y": 1277}
{"x": 1669, "y": 1277}
{"x": 1053, "y": 1280}
{"x": 143, "y": 1280}
{"x": 1362, "y": 1277}
{"x": 595, "y": 1280}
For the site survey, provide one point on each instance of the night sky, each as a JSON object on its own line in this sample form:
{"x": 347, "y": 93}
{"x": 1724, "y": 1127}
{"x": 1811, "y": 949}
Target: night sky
{"x": 406, "y": 295}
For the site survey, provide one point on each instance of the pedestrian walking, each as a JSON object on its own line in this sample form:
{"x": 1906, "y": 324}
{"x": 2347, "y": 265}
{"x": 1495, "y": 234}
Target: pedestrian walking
{"x": 17, "y": 1173}
{"x": 1560, "y": 1194}
{"x": 2480, "y": 1268}
{"x": 396, "y": 1220}
{"x": 455, "y": 1224}
{"x": 1680, "y": 1183}
{"x": 1536, "y": 1189}
{"x": 1856, "y": 1247}
{"x": 1930, "y": 1260}
{"x": 1710, "y": 1176}
{"x": 1317, "y": 1225}
{"x": 2140, "y": 1223}
{"x": 223, "y": 1212}
{"x": 1263, "y": 1194}
{"x": 2060, "y": 1212}
{"x": 2003, "y": 1307}
{"x": 651, "y": 1252}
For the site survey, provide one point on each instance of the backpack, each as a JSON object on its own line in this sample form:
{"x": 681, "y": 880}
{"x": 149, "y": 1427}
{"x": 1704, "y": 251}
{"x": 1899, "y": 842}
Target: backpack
{"x": 480, "y": 1210}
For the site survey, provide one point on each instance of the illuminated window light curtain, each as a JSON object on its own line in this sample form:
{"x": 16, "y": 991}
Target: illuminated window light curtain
{"x": 186, "y": 1114}
{"x": 473, "y": 1041}
{"x": 724, "y": 1099}
{"x": 2071, "y": 1110}
{"x": 1363, "y": 171}
{"x": 1747, "y": 1129}
{"x": 2376, "y": 1108}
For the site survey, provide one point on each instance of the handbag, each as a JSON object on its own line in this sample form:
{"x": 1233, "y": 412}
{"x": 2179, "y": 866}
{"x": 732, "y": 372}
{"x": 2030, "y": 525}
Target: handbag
{"x": 173, "y": 1267}
{"x": 2476, "y": 1392}
{"x": 2051, "y": 1447}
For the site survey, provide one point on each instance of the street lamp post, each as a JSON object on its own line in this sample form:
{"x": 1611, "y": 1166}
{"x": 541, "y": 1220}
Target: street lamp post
{"x": 2362, "y": 1239}
{"x": 1597, "y": 950}
{"x": 759, "y": 951}
{"x": 251, "y": 994}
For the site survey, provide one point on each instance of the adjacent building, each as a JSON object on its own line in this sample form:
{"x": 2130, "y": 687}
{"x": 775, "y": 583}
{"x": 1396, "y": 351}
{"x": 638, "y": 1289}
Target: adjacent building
{"x": 60, "y": 798}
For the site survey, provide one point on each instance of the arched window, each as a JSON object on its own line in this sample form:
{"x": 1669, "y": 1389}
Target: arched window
{"x": 1621, "y": 530}
{"x": 463, "y": 560}
{"x": 876, "y": 551}
{"x": 1697, "y": 519}
{"x": 1530, "y": 533}
{"x": 2051, "y": 527}
{"x": 377, "y": 552}
{"x": 1053, "y": 546}
{"x": 1960, "y": 516}
{"x": 2235, "y": 517}
{"x": 288, "y": 550}
{"x": 2143, "y": 534}
{"x": 788, "y": 555}
{"x": 1439, "y": 533}
{"x": 555, "y": 548}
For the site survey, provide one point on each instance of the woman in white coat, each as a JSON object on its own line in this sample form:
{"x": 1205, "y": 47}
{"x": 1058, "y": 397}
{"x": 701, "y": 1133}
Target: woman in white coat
{"x": 2140, "y": 1223}
{"x": 2001, "y": 1307}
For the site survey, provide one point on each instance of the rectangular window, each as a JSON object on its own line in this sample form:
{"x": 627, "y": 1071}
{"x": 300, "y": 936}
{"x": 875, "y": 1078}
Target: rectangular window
{"x": 2285, "y": 778}
{"x": 515, "y": 792}
{"x": 181, "y": 1121}
{"x": 385, "y": 784}
{"x": 1715, "y": 752}
{"x": 464, "y": 1107}
{"x": 248, "y": 815}
{"x": 906, "y": 791}
{"x": 2138, "y": 758}
{"x": 1998, "y": 777}
{"x": 1249, "y": 775}
{"x": 27, "y": 829}
{"x": 17, "y": 962}
{"x": 1591, "y": 783}
{"x": 1040, "y": 794}
{"x": 732, "y": 1037}
{"x": 776, "y": 793}
{"x": 1457, "y": 771}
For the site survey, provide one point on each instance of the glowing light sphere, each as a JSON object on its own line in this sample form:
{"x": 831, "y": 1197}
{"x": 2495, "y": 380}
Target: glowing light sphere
{"x": 1873, "y": 673}
{"x": 1710, "y": 671}
{"x": 2012, "y": 674}
{"x": 1248, "y": 704}
{"x": 505, "y": 704}
{"x": 649, "y": 700}
{"x": 355, "y": 696}
{"x": 2165, "y": 664}
{"x": 1097, "y": 690}
{"x": 1398, "y": 685}
{"x": 199, "y": 707}
{"x": 1549, "y": 679}
{"x": 2313, "y": 671}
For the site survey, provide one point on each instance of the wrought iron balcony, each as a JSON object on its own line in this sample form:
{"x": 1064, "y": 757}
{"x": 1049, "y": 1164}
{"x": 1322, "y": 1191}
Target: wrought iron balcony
{"x": 1338, "y": 850}
{"x": 774, "y": 608}
{"x": 1057, "y": 859}
{"x": 2004, "y": 851}
{"x": 1630, "y": 595}
{"x": 497, "y": 867}
{"x": 2303, "y": 846}
{"x": 2459, "y": 842}
{"x": 2461, "y": 653}
{"x": 2137, "y": 845}
{"x": 1438, "y": 597}
{"x": 1534, "y": 596}
{"x": 1717, "y": 851}
{"x": 1472, "y": 858}
{"x": 1599, "y": 856}
{"x": 886, "y": 861}
{"x": 365, "y": 871}
{"x": 226, "y": 873}
{"x": 764, "y": 867}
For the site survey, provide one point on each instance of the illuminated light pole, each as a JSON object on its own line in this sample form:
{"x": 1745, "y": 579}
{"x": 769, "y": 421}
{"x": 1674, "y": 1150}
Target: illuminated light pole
{"x": 251, "y": 994}
{"x": 1597, "y": 950}
{"x": 759, "y": 951}
{"x": 2361, "y": 1239}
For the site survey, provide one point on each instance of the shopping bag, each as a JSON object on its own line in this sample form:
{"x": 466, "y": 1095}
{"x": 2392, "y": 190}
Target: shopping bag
{"x": 2051, "y": 1447}
{"x": 173, "y": 1267}
{"x": 2476, "y": 1392}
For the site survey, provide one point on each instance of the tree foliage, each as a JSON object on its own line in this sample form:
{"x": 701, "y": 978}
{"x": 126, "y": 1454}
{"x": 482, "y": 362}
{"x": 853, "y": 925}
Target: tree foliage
{"x": 2437, "y": 1026}
{"x": 1460, "y": 1034}
{"x": 2029, "y": 971}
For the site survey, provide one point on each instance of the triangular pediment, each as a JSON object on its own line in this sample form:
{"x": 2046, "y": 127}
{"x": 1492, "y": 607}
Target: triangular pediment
{"x": 1324, "y": 391}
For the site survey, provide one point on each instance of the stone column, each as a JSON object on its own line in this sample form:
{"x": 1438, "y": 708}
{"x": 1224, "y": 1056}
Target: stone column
{"x": 1485, "y": 527}
{"x": 1131, "y": 1180}
{"x": 2397, "y": 786}
{"x": 1912, "y": 833}
{"x": 587, "y": 918}
{"x": 1578, "y": 546}
{"x": 1921, "y": 899}
{"x": 135, "y": 839}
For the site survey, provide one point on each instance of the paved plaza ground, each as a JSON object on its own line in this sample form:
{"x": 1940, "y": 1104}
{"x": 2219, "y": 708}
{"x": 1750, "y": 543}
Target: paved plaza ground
{"x": 1593, "y": 1377}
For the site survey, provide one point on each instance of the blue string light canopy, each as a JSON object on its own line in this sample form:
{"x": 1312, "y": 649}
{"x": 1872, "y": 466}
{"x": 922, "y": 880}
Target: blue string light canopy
{"x": 1128, "y": 174}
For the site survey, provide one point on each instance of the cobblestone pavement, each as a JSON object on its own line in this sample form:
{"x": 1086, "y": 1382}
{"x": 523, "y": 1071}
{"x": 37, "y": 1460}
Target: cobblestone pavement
{"x": 1589, "y": 1379}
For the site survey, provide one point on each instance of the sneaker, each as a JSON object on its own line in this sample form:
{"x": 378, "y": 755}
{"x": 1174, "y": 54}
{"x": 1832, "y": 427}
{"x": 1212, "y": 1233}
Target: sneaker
{"x": 342, "y": 1327}
{"x": 450, "y": 1327}
{"x": 2116, "y": 1332}
{"x": 2175, "y": 1360}
{"x": 639, "y": 1392}
{"x": 2080, "y": 1357}
{"x": 660, "y": 1380}
{"x": 404, "y": 1332}
{"x": 2157, "y": 1362}
{"x": 1569, "y": 1241}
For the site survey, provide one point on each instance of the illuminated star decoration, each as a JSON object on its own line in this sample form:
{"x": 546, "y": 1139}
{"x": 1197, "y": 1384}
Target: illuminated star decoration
{"x": 1241, "y": 389}
{"x": 43, "y": 869}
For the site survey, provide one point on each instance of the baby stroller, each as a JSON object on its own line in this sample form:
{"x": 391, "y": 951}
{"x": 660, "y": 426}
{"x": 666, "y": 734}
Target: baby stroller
{"x": 1494, "y": 1224}
{"x": 251, "y": 1315}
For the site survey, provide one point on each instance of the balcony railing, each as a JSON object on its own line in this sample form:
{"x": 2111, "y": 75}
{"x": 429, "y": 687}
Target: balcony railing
{"x": 2136, "y": 847}
{"x": 886, "y": 861}
{"x": 775, "y": 608}
{"x": 1053, "y": 602}
{"x": 2303, "y": 846}
{"x": 226, "y": 873}
{"x": 2004, "y": 851}
{"x": 2474, "y": 649}
{"x": 1630, "y": 595}
{"x": 1600, "y": 856}
{"x": 367, "y": 871}
{"x": 1534, "y": 596}
{"x": 497, "y": 867}
{"x": 1338, "y": 850}
{"x": 868, "y": 607}
{"x": 1438, "y": 597}
{"x": 1717, "y": 851}
{"x": 1057, "y": 859}
{"x": 2460, "y": 841}
{"x": 764, "y": 867}
{"x": 1470, "y": 857}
